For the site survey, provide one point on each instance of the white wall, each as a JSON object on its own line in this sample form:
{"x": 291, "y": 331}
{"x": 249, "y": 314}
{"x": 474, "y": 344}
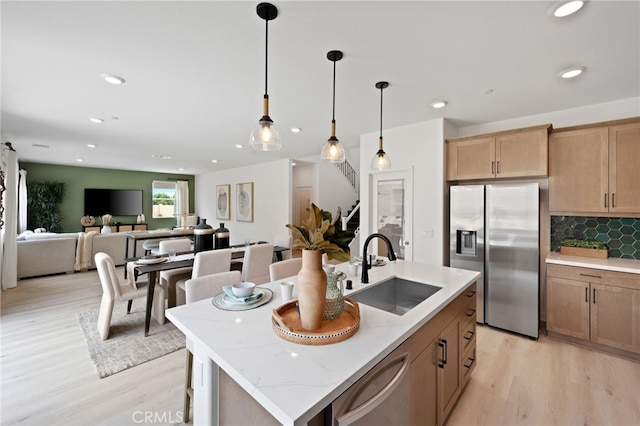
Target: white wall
{"x": 271, "y": 195}
{"x": 615, "y": 110}
{"x": 420, "y": 146}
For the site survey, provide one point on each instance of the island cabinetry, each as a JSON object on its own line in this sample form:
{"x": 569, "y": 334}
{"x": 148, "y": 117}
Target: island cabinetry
{"x": 592, "y": 170}
{"x": 438, "y": 365}
{"x": 516, "y": 153}
{"x": 600, "y": 308}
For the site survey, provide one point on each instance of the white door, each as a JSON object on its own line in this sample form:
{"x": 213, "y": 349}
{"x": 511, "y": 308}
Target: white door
{"x": 391, "y": 197}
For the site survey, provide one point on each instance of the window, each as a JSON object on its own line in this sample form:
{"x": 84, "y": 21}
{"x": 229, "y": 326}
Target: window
{"x": 163, "y": 199}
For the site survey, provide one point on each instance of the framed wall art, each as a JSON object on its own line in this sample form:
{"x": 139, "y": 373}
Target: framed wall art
{"x": 223, "y": 199}
{"x": 244, "y": 197}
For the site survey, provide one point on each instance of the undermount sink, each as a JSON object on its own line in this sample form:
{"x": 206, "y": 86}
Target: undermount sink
{"x": 396, "y": 295}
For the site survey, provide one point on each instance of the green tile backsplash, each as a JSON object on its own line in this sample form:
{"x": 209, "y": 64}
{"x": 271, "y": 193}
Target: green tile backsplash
{"x": 622, "y": 235}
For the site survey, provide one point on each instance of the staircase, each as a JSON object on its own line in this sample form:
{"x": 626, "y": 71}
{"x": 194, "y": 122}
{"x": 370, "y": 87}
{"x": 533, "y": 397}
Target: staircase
{"x": 347, "y": 170}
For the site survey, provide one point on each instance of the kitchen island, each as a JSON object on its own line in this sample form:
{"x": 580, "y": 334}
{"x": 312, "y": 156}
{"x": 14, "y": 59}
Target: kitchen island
{"x": 294, "y": 382}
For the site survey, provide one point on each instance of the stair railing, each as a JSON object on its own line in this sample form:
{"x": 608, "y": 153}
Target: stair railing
{"x": 349, "y": 173}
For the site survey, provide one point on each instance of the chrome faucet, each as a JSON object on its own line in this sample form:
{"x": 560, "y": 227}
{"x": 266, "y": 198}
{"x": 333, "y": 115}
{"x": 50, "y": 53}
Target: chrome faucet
{"x": 365, "y": 266}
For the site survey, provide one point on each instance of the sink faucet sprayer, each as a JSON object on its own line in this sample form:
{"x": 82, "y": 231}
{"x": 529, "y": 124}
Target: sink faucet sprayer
{"x": 365, "y": 266}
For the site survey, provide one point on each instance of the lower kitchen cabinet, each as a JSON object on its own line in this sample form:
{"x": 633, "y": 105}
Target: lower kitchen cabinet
{"x": 600, "y": 308}
{"x": 443, "y": 360}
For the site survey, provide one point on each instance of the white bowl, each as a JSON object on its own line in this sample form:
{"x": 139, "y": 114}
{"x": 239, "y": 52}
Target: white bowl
{"x": 243, "y": 289}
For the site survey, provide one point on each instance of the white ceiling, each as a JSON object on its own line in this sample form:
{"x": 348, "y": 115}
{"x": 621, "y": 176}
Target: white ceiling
{"x": 195, "y": 73}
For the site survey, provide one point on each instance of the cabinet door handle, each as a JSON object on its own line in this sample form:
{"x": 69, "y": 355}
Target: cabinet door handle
{"x": 442, "y": 361}
{"x": 498, "y": 167}
{"x": 470, "y": 312}
{"x": 471, "y": 293}
{"x": 613, "y": 199}
{"x": 586, "y": 294}
{"x": 493, "y": 170}
{"x": 472, "y": 360}
{"x": 469, "y": 335}
{"x": 594, "y": 296}
{"x": 605, "y": 200}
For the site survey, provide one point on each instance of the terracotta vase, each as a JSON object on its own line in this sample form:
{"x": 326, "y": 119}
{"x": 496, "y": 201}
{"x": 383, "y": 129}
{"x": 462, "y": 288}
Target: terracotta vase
{"x": 312, "y": 289}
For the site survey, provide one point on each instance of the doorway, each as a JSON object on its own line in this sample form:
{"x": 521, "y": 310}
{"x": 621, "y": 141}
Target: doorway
{"x": 392, "y": 211}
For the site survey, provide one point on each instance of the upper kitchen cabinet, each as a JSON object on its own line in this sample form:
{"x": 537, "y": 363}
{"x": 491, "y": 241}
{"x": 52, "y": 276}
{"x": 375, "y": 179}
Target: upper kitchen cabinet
{"x": 593, "y": 170}
{"x": 510, "y": 154}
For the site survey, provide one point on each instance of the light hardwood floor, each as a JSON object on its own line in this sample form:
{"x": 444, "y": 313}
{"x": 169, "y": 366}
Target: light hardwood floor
{"x": 48, "y": 378}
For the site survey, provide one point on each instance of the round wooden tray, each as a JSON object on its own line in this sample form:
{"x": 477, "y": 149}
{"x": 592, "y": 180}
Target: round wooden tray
{"x": 286, "y": 324}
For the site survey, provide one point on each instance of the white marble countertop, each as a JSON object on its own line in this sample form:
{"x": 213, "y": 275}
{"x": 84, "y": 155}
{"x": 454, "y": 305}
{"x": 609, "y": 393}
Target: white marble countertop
{"x": 612, "y": 264}
{"x": 293, "y": 381}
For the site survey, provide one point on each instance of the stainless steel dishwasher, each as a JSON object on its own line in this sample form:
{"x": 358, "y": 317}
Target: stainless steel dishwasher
{"x": 380, "y": 397}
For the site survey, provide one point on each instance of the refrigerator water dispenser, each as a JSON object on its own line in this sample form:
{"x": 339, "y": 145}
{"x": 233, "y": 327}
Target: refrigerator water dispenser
{"x": 466, "y": 242}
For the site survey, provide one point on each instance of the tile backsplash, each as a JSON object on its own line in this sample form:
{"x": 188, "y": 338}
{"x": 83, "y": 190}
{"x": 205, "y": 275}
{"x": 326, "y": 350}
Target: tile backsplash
{"x": 622, "y": 235}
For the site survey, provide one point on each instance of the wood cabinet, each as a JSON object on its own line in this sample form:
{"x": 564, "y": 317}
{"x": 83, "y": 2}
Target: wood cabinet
{"x": 596, "y": 306}
{"x": 593, "y": 170}
{"x": 517, "y": 153}
{"x": 441, "y": 363}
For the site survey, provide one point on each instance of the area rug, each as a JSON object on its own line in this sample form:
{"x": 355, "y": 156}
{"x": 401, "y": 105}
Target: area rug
{"x": 126, "y": 346}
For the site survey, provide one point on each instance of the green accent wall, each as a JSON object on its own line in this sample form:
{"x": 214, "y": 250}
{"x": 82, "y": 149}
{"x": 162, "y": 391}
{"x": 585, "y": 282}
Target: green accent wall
{"x": 76, "y": 179}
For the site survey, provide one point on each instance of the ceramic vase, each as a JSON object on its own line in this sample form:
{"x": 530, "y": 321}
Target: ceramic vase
{"x": 312, "y": 289}
{"x": 106, "y": 229}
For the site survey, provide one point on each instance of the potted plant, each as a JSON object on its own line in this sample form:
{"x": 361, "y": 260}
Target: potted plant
{"x": 574, "y": 247}
{"x": 317, "y": 235}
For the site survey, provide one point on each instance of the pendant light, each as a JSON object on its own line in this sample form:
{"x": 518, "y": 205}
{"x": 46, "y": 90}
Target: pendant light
{"x": 332, "y": 151}
{"x": 265, "y": 136}
{"x": 381, "y": 160}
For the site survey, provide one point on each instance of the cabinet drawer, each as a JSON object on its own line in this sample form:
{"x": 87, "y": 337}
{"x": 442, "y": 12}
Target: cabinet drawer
{"x": 468, "y": 336}
{"x": 468, "y": 363}
{"x": 598, "y": 276}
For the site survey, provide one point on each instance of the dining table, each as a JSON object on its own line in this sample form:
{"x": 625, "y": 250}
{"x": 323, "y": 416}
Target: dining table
{"x": 180, "y": 260}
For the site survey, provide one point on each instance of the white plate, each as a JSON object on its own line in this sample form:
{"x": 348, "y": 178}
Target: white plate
{"x": 151, "y": 261}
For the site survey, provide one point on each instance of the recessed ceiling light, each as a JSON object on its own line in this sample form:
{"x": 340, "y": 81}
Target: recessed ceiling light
{"x": 487, "y": 91}
{"x": 90, "y": 145}
{"x": 181, "y": 169}
{"x": 239, "y": 146}
{"x": 572, "y": 72}
{"x": 293, "y": 163}
{"x": 565, "y": 8}
{"x": 96, "y": 120}
{"x": 438, "y": 104}
{"x": 296, "y": 130}
{"x": 113, "y": 79}
{"x": 161, "y": 157}
{"x": 79, "y": 160}
{"x": 214, "y": 161}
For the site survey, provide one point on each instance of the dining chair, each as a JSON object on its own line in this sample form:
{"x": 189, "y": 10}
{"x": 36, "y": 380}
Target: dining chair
{"x": 205, "y": 263}
{"x": 168, "y": 279}
{"x": 255, "y": 265}
{"x": 285, "y": 268}
{"x": 197, "y": 289}
{"x": 283, "y": 240}
{"x": 114, "y": 291}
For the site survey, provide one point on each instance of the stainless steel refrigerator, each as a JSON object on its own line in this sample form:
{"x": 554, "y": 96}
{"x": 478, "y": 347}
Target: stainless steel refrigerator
{"x": 494, "y": 230}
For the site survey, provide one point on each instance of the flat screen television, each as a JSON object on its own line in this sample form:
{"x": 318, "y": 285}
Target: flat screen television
{"x": 116, "y": 202}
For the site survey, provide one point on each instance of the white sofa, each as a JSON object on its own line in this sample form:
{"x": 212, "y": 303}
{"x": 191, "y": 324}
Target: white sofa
{"x": 50, "y": 253}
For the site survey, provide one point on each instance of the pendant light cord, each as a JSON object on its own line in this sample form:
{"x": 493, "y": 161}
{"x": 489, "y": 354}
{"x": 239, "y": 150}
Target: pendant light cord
{"x": 266, "y": 56}
{"x": 333, "y": 114}
{"x": 381, "y": 89}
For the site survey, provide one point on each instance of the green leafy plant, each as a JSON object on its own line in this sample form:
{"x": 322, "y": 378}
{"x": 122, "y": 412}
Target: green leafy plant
{"x": 572, "y": 242}
{"x": 43, "y": 205}
{"x": 320, "y": 232}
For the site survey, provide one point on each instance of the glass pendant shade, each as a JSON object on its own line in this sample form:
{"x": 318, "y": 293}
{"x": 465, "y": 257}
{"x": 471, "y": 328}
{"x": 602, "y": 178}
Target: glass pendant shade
{"x": 332, "y": 151}
{"x": 381, "y": 160}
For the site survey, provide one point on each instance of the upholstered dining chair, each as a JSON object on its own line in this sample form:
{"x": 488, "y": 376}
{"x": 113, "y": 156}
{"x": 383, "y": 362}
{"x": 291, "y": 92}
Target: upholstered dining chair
{"x": 205, "y": 263}
{"x": 285, "y": 268}
{"x": 114, "y": 291}
{"x": 255, "y": 265}
{"x": 168, "y": 279}
{"x": 197, "y": 289}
